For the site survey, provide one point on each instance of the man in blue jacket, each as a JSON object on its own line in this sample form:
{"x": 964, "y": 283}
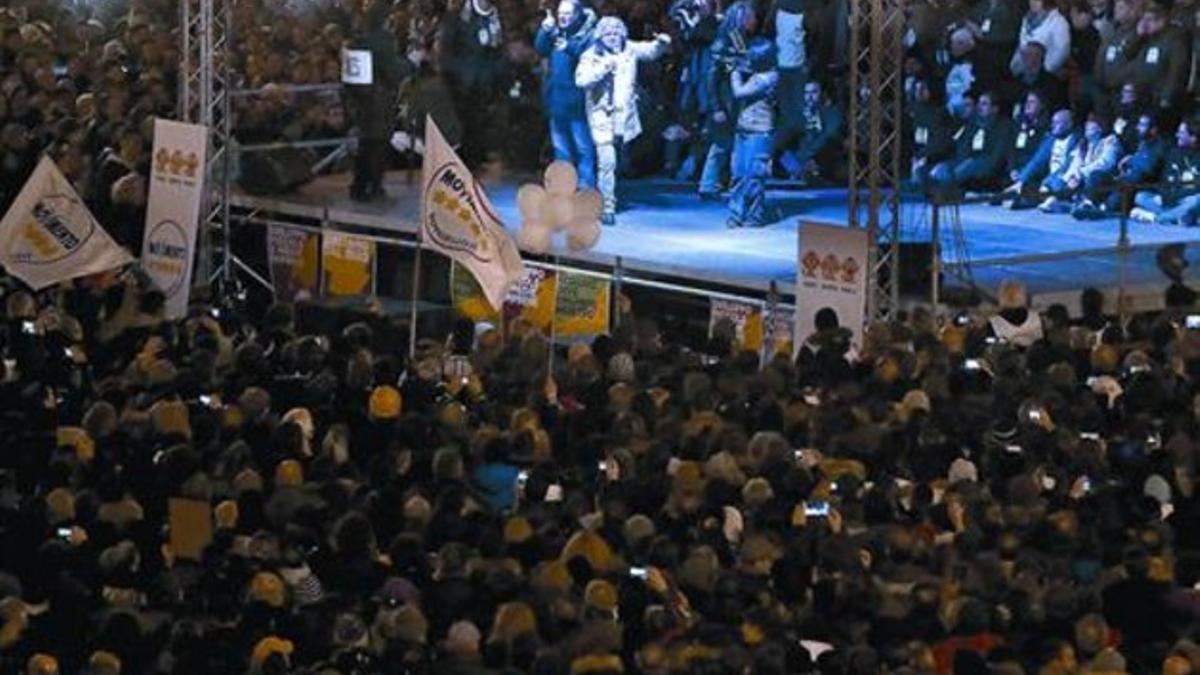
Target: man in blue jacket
{"x": 562, "y": 39}
{"x": 1048, "y": 166}
{"x": 1103, "y": 190}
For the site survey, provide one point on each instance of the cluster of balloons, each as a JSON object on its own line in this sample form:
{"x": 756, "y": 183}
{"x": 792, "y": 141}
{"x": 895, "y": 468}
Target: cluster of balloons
{"x": 556, "y": 206}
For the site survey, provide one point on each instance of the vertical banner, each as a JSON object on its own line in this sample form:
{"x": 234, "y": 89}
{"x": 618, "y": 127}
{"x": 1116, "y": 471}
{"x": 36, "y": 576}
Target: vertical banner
{"x": 747, "y": 319}
{"x": 832, "y": 273}
{"x": 293, "y": 256}
{"x": 191, "y": 527}
{"x": 349, "y": 264}
{"x": 582, "y": 308}
{"x": 173, "y": 209}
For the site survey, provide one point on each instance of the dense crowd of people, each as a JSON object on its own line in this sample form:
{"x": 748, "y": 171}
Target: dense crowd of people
{"x": 1013, "y": 493}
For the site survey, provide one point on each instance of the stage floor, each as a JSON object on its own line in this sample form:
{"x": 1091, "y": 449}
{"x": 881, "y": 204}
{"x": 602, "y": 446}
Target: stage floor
{"x": 664, "y": 228}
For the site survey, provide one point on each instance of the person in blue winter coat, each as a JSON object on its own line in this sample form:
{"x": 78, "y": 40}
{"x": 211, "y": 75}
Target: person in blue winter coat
{"x": 562, "y": 39}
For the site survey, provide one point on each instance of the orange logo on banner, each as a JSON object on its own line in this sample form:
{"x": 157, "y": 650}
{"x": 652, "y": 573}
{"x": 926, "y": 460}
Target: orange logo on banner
{"x": 850, "y": 270}
{"x": 830, "y": 266}
{"x": 176, "y": 163}
{"x": 810, "y": 263}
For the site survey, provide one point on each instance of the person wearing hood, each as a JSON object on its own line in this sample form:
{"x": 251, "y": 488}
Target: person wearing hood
{"x": 1016, "y": 323}
{"x": 562, "y": 39}
{"x": 371, "y": 94}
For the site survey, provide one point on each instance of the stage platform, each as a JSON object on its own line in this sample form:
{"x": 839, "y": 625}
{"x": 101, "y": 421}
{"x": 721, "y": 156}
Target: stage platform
{"x": 664, "y": 229}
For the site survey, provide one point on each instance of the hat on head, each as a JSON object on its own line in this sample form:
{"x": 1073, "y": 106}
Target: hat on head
{"x": 60, "y": 506}
{"x": 385, "y": 403}
{"x": 289, "y": 474}
{"x": 600, "y": 595}
{"x": 42, "y": 664}
{"x": 638, "y": 527}
{"x": 400, "y": 591}
{"x": 517, "y": 530}
{"x": 963, "y": 470}
{"x": 462, "y": 639}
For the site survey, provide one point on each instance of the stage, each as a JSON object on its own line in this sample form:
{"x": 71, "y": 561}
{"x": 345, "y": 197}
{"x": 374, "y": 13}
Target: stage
{"x": 663, "y": 229}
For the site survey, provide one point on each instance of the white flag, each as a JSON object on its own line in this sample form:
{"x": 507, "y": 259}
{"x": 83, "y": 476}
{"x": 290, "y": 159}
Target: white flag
{"x": 458, "y": 220}
{"x": 49, "y": 235}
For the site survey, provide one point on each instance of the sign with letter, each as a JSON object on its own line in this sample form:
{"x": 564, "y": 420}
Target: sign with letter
{"x": 49, "y": 235}
{"x": 832, "y": 273}
{"x": 357, "y": 67}
{"x": 173, "y": 210}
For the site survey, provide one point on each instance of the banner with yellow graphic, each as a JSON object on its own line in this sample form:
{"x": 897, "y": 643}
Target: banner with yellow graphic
{"x": 293, "y": 256}
{"x": 173, "y": 210}
{"x": 459, "y": 221}
{"x": 582, "y": 301}
{"x": 583, "y": 305}
{"x": 747, "y": 319}
{"x": 349, "y": 264}
{"x": 49, "y": 235}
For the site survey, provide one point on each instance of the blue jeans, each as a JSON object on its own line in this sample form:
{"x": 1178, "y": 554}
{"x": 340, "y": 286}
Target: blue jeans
{"x": 751, "y": 167}
{"x": 1183, "y": 212}
{"x": 717, "y": 161}
{"x": 572, "y": 141}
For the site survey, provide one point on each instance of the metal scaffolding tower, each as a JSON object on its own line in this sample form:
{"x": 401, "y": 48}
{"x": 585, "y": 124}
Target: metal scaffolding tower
{"x": 876, "y": 96}
{"x": 204, "y": 84}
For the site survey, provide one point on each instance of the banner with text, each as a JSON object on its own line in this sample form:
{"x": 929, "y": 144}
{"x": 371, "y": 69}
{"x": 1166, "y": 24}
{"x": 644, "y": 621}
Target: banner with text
{"x": 582, "y": 307}
{"x": 747, "y": 319}
{"x": 832, "y": 273}
{"x": 173, "y": 209}
{"x": 349, "y": 264}
{"x": 293, "y": 256}
{"x": 49, "y": 235}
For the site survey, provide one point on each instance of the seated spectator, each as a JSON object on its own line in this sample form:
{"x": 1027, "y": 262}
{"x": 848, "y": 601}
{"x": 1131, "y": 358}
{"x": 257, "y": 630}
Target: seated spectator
{"x": 1048, "y": 167}
{"x": 1095, "y": 156}
{"x": 930, "y": 136}
{"x": 1129, "y": 107}
{"x": 1177, "y": 202}
{"x": 819, "y": 148}
{"x": 1045, "y": 25}
{"x": 1030, "y": 124}
{"x": 979, "y": 151}
{"x": 1105, "y": 194}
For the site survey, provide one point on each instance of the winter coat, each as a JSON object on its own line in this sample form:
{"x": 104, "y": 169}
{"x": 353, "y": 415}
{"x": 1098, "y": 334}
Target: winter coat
{"x": 1041, "y": 165}
{"x": 1054, "y": 33}
{"x": 1089, "y": 159}
{"x": 470, "y": 52}
{"x": 561, "y": 96}
{"x": 373, "y": 106}
{"x": 610, "y": 80}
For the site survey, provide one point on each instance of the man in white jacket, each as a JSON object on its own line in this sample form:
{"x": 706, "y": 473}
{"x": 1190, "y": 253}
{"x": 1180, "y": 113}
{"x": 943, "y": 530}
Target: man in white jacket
{"x": 608, "y": 73}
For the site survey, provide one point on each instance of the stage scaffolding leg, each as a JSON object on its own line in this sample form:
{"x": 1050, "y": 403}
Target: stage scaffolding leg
{"x": 876, "y": 95}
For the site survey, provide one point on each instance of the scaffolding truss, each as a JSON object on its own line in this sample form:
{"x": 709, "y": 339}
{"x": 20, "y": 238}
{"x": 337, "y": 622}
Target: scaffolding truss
{"x": 205, "y": 82}
{"x": 876, "y": 98}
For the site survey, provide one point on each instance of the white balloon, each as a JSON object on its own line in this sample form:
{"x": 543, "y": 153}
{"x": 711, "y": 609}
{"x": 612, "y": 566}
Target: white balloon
{"x": 588, "y": 204}
{"x": 583, "y": 234}
{"x": 561, "y": 178}
{"x": 562, "y": 210}
{"x": 534, "y": 237}
{"x": 530, "y": 198}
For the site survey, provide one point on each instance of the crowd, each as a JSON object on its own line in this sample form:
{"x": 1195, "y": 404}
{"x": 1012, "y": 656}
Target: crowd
{"x": 1013, "y": 493}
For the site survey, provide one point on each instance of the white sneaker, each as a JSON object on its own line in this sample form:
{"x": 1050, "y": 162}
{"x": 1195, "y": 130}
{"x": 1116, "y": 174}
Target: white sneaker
{"x": 1048, "y": 203}
{"x": 1142, "y": 215}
